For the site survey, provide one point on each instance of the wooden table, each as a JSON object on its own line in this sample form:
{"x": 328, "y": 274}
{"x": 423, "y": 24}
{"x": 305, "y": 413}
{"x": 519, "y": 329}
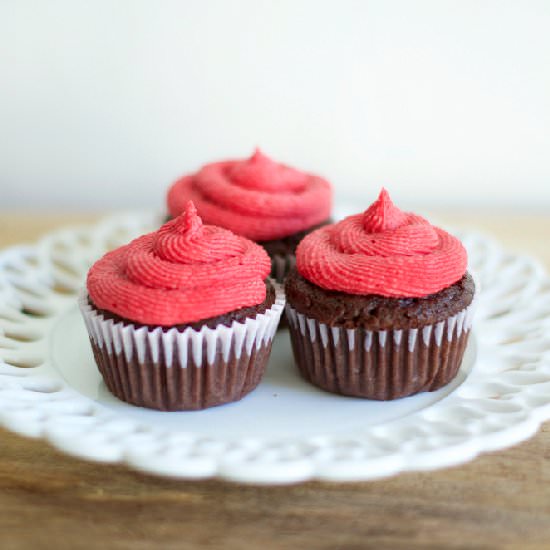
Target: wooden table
{"x": 500, "y": 500}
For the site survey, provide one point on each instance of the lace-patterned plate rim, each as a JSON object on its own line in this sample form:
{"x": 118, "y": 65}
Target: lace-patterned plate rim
{"x": 501, "y": 402}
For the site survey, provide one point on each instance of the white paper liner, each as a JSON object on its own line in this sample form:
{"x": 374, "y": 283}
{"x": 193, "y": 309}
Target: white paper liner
{"x": 180, "y": 347}
{"x": 383, "y": 364}
{"x": 451, "y": 327}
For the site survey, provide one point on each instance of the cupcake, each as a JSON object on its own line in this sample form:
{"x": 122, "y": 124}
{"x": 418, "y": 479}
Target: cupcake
{"x": 182, "y": 318}
{"x": 380, "y": 304}
{"x": 267, "y": 202}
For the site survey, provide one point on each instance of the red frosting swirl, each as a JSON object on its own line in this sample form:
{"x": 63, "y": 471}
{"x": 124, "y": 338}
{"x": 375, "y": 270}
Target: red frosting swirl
{"x": 257, "y": 197}
{"x": 383, "y": 251}
{"x": 182, "y": 273}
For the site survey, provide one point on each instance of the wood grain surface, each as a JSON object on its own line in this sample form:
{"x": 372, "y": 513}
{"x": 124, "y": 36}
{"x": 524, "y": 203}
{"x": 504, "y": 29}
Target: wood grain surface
{"x": 499, "y": 500}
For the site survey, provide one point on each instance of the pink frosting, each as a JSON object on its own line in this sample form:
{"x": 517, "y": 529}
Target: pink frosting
{"x": 257, "y": 197}
{"x": 383, "y": 251}
{"x": 182, "y": 273}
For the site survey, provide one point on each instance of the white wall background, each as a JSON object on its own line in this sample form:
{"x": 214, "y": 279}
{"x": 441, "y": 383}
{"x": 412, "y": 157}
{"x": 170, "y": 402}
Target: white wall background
{"x": 103, "y": 103}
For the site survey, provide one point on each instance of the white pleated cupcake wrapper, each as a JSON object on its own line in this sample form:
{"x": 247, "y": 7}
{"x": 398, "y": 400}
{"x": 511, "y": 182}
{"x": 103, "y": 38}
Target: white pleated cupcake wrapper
{"x": 449, "y": 328}
{"x": 281, "y": 266}
{"x": 178, "y": 348}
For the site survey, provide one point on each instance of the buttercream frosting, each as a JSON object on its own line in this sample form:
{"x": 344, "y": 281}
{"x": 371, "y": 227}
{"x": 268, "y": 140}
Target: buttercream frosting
{"x": 256, "y": 197}
{"x": 182, "y": 273}
{"x": 382, "y": 251}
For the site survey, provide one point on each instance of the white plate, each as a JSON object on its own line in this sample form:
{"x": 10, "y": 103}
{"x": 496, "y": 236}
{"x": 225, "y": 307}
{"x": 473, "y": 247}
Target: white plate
{"x": 286, "y": 430}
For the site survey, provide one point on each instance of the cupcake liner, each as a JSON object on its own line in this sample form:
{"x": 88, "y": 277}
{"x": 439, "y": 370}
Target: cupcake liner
{"x": 193, "y": 369}
{"x": 381, "y": 365}
{"x": 281, "y": 266}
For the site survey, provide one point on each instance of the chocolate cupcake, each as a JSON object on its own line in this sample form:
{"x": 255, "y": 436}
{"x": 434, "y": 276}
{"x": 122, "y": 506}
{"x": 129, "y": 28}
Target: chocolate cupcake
{"x": 380, "y": 305}
{"x": 182, "y": 318}
{"x": 267, "y": 202}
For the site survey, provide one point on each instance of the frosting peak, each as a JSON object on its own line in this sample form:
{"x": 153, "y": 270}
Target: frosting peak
{"x": 256, "y": 197}
{"x": 383, "y": 215}
{"x": 262, "y": 173}
{"x": 189, "y": 223}
{"x": 383, "y": 251}
{"x": 182, "y": 273}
